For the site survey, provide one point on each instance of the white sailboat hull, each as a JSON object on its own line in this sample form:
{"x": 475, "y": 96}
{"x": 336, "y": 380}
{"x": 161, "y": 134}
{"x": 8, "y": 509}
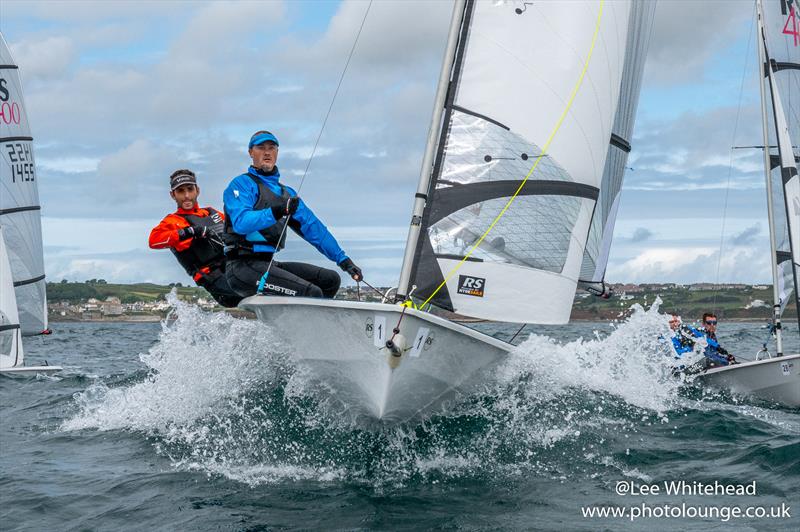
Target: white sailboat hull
{"x": 30, "y": 371}
{"x": 343, "y": 346}
{"x": 774, "y": 379}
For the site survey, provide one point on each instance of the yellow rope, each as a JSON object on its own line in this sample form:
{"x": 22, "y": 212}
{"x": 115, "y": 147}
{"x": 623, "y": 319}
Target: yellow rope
{"x": 535, "y": 164}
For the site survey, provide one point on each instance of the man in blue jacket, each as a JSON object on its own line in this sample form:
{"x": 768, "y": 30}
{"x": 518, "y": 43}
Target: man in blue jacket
{"x": 258, "y": 209}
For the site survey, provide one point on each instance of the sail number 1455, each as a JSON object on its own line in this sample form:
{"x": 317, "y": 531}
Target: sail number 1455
{"x": 21, "y": 159}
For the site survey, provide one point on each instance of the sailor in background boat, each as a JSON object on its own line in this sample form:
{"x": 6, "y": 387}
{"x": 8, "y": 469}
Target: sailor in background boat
{"x": 194, "y": 235}
{"x": 682, "y": 343}
{"x": 258, "y": 209}
{"x": 685, "y": 339}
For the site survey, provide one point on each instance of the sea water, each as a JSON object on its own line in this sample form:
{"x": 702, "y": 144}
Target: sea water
{"x": 205, "y": 423}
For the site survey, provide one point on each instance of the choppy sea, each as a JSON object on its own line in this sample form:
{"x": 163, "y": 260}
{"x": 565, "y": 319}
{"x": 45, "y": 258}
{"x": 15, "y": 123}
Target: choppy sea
{"x": 205, "y": 423}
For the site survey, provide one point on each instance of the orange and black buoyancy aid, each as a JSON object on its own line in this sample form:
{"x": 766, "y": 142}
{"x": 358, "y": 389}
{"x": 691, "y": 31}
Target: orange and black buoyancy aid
{"x": 274, "y": 235}
{"x": 204, "y": 252}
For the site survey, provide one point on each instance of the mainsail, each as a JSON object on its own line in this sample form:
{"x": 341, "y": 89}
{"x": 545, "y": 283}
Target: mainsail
{"x": 598, "y": 245}
{"x": 530, "y": 109}
{"x": 19, "y": 200}
{"x": 781, "y": 42}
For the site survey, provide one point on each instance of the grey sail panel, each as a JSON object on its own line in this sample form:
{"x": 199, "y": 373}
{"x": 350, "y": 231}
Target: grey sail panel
{"x": 19, "y": 200}
{"x": 598, "y": 245}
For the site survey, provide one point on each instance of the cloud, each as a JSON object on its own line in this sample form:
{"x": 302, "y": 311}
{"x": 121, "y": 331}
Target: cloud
{"x": 141, "y": 90}
{"x": 44, "y": 59}
{"x": 687, "y": 35}
{"x": 641, "y": 234}
{"x": 693, "y": 264}
{"x": 747, "y": 237}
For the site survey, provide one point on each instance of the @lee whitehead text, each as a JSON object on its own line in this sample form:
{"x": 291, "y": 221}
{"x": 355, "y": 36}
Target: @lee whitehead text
{"x": 683, "y": 487}
{"x": 645, "y": 510}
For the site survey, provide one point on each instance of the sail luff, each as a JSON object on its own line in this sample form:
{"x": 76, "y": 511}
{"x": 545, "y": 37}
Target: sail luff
{"x": 452, "y": 88}
{"x": 762, "y": 61}
{"x": 434, "y": 134}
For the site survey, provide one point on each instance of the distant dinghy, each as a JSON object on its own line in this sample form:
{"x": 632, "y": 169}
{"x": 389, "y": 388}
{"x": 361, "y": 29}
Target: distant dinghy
{"x": 515, "y": 206}
{"x": 23, "y": 303}
{"x": 778, "y": 42}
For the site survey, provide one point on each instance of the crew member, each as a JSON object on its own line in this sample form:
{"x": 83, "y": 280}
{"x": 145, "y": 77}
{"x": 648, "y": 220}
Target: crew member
{"x": 194, "y": 235}
{"x": 682, "y": 343}
{"x": 715, "y": 354}
{"x": 258, "y": 209}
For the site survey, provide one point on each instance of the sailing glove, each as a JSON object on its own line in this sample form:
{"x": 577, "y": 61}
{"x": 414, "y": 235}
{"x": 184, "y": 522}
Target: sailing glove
{"x": 351, "y": 269}
{"x": 289, "y": 208}
{"x": 192, "y": 231}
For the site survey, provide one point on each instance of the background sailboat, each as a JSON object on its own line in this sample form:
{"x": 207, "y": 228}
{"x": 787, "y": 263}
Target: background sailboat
{"x": 516, "y": 202}
{"x": 778, "y": 43}
{"x": 23, "y": 304}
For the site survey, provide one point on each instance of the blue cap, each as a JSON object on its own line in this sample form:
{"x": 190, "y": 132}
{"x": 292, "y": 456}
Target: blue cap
{"x": 261, "y": 138}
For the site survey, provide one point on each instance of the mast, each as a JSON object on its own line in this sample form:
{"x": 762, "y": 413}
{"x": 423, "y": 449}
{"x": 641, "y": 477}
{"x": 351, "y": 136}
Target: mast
{"x": 762, "y": 71}
{"x": 421, "y": 196}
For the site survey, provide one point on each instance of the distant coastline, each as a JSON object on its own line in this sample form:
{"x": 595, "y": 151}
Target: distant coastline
{"x": 96, "y": 300}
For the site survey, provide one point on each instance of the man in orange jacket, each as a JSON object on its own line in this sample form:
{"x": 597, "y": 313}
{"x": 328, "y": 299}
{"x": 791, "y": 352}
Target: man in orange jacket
{"x": 194, "y": 235}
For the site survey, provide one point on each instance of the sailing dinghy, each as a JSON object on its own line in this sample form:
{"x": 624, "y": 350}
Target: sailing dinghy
{"x": 778, "y": 41}
{"x": 514, "y": 210}
{"x": 23, "y": 302}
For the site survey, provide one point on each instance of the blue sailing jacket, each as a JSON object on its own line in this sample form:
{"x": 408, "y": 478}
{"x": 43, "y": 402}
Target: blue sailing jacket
{"x": 713, "y": 351}
{"x": 242, "y": 194}
{"x": 681, "y": 344}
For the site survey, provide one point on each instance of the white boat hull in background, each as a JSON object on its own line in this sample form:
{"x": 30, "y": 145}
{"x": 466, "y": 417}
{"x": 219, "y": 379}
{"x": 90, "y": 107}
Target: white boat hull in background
{"x": 774, "y": 379}
{"x": 30, "y": 371}
{"x": 342, "y": 344}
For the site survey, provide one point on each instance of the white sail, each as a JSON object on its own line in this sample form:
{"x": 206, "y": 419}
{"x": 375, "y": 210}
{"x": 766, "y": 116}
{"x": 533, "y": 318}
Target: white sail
{"x": 782, "y": 34}
{"x": 10, "y": 337}
{"x": 536, "y": 86}
{"x": 598, "y": 245}
{"x": 19, "y": 200}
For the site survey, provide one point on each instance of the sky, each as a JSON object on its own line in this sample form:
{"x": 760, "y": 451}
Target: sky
{"x": 120, "y": 94}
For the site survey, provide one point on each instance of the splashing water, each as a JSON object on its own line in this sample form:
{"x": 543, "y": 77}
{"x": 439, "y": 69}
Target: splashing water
{"x": 222, "y": 396}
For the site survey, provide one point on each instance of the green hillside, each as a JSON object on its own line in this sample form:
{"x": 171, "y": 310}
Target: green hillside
{"x": 127, "y": 293}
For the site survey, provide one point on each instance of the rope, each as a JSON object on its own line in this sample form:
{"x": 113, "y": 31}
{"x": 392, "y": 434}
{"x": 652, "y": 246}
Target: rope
{"x": 322, "y": 128}
{"x": 536, "y": 163}
{"x": 370, "y": 286}
{"x": 517, "y": 333}
{"x": 730, "y": 163}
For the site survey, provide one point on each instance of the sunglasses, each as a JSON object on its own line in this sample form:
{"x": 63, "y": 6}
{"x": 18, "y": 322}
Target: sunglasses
{"x": 711, "y": 322}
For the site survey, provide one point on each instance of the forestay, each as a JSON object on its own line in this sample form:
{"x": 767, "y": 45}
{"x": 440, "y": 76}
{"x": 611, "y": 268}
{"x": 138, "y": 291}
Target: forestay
{"x": 526, "y": 76}
{"x": 19, "y": 200}
{"x": 782, "y": 33}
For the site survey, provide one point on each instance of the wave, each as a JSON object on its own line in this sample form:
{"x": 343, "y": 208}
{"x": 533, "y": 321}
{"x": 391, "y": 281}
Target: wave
{"x": 223, "y": 396}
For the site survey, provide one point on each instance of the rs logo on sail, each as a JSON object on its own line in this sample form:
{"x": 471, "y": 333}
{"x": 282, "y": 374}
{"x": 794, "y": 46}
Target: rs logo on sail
{"x": 471, "y": 286}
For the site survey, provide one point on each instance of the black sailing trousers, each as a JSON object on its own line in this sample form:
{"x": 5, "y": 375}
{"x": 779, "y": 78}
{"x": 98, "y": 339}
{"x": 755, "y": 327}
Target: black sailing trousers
{"x": 216, "y": 284}
{"x": 284, "y": 279}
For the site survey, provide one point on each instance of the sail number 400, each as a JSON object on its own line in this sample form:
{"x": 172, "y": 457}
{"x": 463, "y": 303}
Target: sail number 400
{"x": 21, "y": 159}
{"x": 9, "y": 113}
